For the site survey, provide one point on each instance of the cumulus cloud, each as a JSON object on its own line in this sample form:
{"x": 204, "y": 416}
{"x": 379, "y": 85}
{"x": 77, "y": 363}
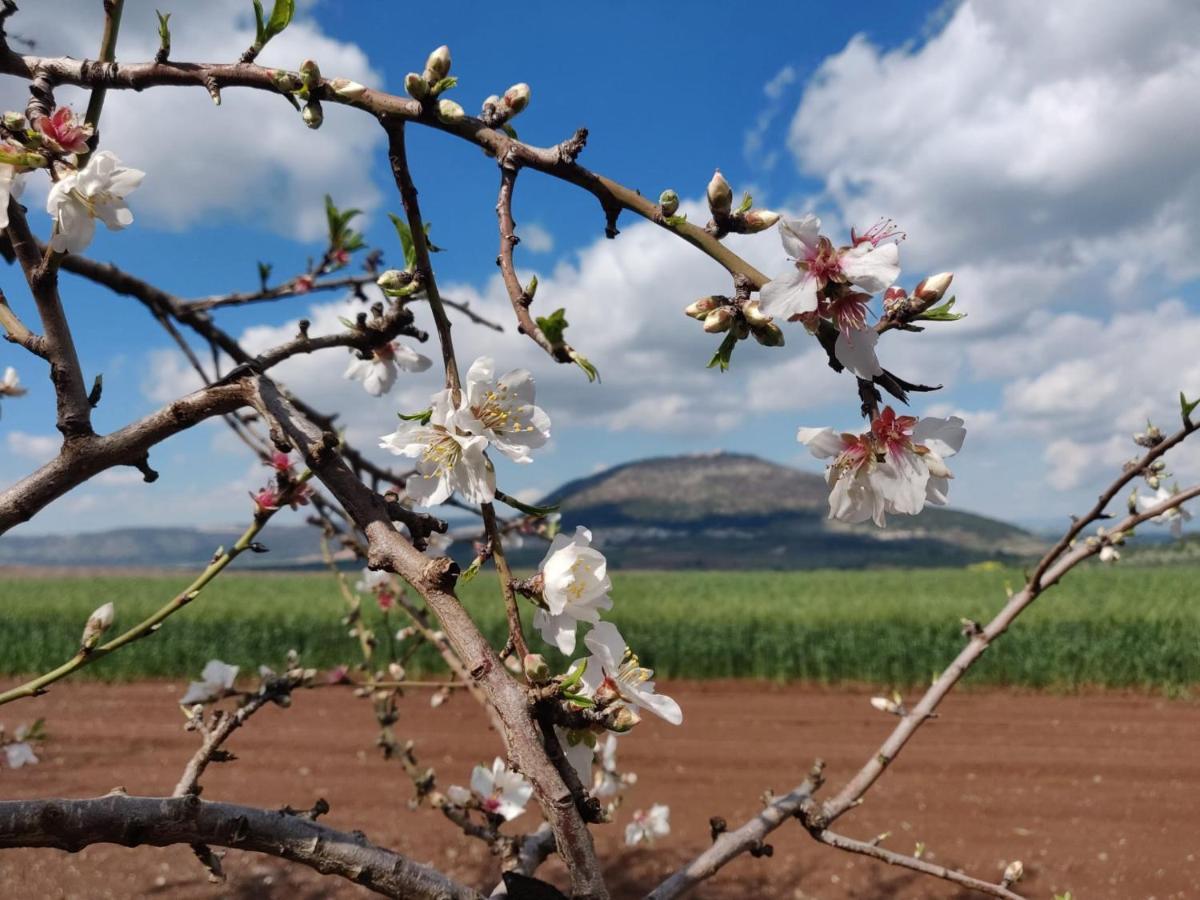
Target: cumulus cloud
{"x": 251, "y": 158}
{"x": 38, "y": 447}
{"x": 536, "y": 239}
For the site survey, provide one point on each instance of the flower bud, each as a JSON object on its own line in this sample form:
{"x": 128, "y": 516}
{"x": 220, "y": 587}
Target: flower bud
{"x": 754, "y": 314}
{"x": 516, "y": 98}
{"x": 98, "y": 622}
{"x": 1109, "y": 553}
{"x": 668, "y": 201}
{"x": 624, "y": 720}
{"x": 718, "y": 320}
{"x": 537, "y": 670}
{"x": 437, "y": 66}
{"x": 417, "y": 87}
{"x": 396, "y": 671}
{"x": 491, "y": 100}
{"x": 1013, "y": 872}
{"x": 933, "y": 288}
{"x": 450, "y": 112}
{"x": 607, "y": 692}
{"x": 720, "y": 195}
{"x": 769, "y": 335}
{"x": 344, "y": 87}
{"x": 759, "y": 220}
{"x": 15, "y": 122}
{"x": 310, "y": 74}
{"x": 702, "y": 307}
{"x": 393, "y": 280}
{"x": 893, "y": 298}
{"x": 285, "y": 82}
{"x": 886, "y": 705}
{"x": 312, "y": 114}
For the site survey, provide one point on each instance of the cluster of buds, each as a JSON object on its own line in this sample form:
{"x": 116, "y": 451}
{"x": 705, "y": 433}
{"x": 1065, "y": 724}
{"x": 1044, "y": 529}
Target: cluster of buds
{"x": 435, "y": 80}
{"x": 286, "y": 488}
{"x": 901, "y": 307}
{"x": 741, "y": 318}
{"x": 310, "y": 80}
{"x": 1108, "y": 543}
{"x": 497, "y": 111}
{"x": 725, "y": 219}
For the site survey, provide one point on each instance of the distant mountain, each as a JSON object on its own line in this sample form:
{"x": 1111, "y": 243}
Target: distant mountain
{"x": 734, "y": 511}
{"x": 288, "y": 546}
{"x": 713, "y": 511}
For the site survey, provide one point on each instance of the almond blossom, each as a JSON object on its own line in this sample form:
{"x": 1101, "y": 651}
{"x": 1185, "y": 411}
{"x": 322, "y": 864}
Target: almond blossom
{"x": 216, "y": 680}
{"x": 64, "y": 132}
{"x": 446, "y": 460}
{"x": 12, "y": 183}
{"x": 19, "y": 754}
{"x": 613, "y": 670}
{"x": 502, "y": 410}
{"x": 648, "y": 826}
{"x": 608, "y": 782}
{"x": 498, "y": 790}
{"x": 579, "y": 749}
{"x": 1174, "y": 517}
{"x": 898, "y": 466}
{"x": 575, "y": 588}
{"x": 378, "y": 372}
{"x": 871, "y": 264}
{"x": 97, "y": 191}
{"x": 10, "y": 385}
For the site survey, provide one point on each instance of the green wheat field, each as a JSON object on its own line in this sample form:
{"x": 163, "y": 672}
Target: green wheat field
{"x": 1103, "y": 626}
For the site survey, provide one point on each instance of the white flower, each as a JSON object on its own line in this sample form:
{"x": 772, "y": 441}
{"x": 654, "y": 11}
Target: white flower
{"x": 378, "y": 373}
{"x": 502, "y": 410}
{"x": 97, "y": 191}
{"x": 578, "y": 751}
{"x": 458, "y": 795}
{"x": 871, "y": 265}
{"x": 608, "y": 781}
{"x": 10, "y": 386}
{"x": 614, "y": 665}
{"x": 855, "y": 349}
{"x": 898, "y": 466}
{"x": 12, "y": 183}
{"x": 446, "y": 461}
{"x": 372, "y": 580}
{"x": 647, "y": 826}
{"x": 1109, "y": 553}
{"x": 1174, "y": 517}
{"x": 501, "y": 790}
{"x": 20, "y": 754}
{"x": 576, "y": 587}
{"x": 216, "y": 679}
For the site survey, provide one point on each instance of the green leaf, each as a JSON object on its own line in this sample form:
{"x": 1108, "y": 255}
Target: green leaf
{"x": 579, "y": 700}
{"x": 553, "y": 325}
{"x": 443, "y": 85}
{"x": 573, "y": 676}
{"x": 423, "y": 416}
{"x": 747, "y": 202}
{"x": 531, "y": 288}
{"x": 527, "y": 508}
{"x": 164, "y": 30}
{"x": 725, "y": 352}
{"x": 264, "y": 273}
{"x": 942, "y": 313}
{"x": 676, "y": 221}
{"x": 1187, "y": 408}
{"x": 260, "y": 27}
{"x": 592, "y": 373}
{"x": 406, "y": 241}
{"x": 471, "y": 571}
{"x": 281, "y": 16}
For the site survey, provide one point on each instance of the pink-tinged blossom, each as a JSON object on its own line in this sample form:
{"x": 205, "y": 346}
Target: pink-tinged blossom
{"x": 615, "y": 670}
{"x": 338, "y": 675}
{"x": 64, "y": 132}
{"x": 575, "y": 588}
{"x": 97, "y": 191}
{"x": 340, "y": 256}
{"x": 498, "y": 790}
{"x": 870, "y": 265}
{"x": 646, "y": 827}
{"x": 898, "y": 466}
{"x": 378, "y": 372}
{"x": 279, "y": 461}
{"x": 303, "y": 284}
{"x": 265, "y": 499}
{"x": 855, "y": 349}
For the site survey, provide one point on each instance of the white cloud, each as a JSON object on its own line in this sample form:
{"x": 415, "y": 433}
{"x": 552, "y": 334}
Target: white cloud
{"x": 535, "y": 238}
{"x": 38, "y": 447}
{"x": 754, "y": 142}
{"x": 251, "y": 158}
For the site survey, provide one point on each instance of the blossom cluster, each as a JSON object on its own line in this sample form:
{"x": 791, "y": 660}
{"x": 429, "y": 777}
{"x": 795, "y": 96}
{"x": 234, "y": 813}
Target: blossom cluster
{"x": 450, "y": 439}
{"x": 84, "y": 188}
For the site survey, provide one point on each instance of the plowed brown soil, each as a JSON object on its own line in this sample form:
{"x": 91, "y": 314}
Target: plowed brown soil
{"x": 1098, "y": 794}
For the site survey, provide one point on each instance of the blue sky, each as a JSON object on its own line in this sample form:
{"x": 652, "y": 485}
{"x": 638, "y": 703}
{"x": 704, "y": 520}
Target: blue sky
{"x": 1029, "y": 160}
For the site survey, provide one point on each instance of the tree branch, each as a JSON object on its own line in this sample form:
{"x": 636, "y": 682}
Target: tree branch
{"x": 118, "y": 818}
